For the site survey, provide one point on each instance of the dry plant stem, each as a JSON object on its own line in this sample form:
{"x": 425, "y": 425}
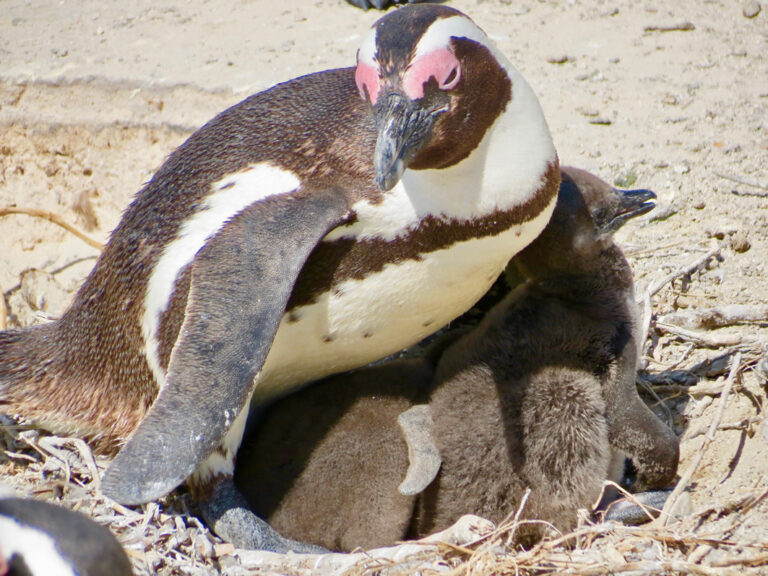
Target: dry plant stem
{"x": 741, "y": 425}
{"x": 717, "y": 317}
{"x": 659, "y": 402}
{"x": 631, "y": 497}
{"x": 760, "y": 559}
{"x": 708, "y": 340}
{"x": 663, "y": 567}
{"x": 682, "y": 27}
{"x": 683, "y": 357}
{"x": 646, "y": 326}
{"x": 686, "y": 479}
{"x": 742, "y": 180}
{"x": 54, "y": 445}
{"x": 654, "y": 288}
{"x": 516, "y": 519}
{"x": 55, "y": 219}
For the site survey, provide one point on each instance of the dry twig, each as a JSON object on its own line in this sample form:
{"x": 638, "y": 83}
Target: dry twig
{"x": 708, "y": 340}
{"x": 742, "y": 180}
{"x": 682, "y": 27}
{"x": 55, "y": 219}
{"x": 682, "y": 485}
{"x": 717, "y": 317}
{"x": 685, "y": 270}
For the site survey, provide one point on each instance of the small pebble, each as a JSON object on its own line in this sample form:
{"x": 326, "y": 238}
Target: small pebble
{"x": 700, "y": 205}
{"x": 561, "y": 59}
{"x": 750, "y": 8}
{"x": 739, "y": 242}
{"x": 715, "y": 233}
{"x": 51, "y": 170}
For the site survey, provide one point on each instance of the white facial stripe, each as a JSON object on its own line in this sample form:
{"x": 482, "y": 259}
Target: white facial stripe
{"x": 367, "y": 51}
{"x": 438, "y": 35}
{"x": 36, "y": 547}
{"x": 440, "y": 32}
{"x": 229, "y": 196}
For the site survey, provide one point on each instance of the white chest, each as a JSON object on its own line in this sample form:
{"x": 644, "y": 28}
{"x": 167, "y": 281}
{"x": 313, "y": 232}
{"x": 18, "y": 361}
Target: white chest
{"x": 364, "y": 320}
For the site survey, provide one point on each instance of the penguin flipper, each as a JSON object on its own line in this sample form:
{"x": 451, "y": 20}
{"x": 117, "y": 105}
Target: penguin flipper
{"x": 423, "y": 455}
{"x": 241, "y": 281}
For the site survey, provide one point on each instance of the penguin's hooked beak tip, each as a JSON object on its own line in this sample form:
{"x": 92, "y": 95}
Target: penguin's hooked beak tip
{"x": 637, "y": 202}
{"x": 631, "y": 204}
{"x": 388, "y": 177}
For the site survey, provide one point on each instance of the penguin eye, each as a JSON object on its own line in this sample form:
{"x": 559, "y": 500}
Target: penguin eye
{"x": 452, "y": 79}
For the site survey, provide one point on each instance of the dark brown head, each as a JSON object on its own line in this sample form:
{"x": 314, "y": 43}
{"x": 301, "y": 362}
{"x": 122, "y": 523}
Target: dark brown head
{"x": 579, "y": 237}
{"x": 436, "y": 84}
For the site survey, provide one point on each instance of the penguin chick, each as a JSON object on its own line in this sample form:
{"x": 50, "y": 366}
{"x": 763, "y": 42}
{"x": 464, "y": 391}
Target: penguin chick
{"x": 313, "y": 228}
{"x": 325, "y": 463}
{"x": 41, "y": 539}
{"x": 525, "y": 400}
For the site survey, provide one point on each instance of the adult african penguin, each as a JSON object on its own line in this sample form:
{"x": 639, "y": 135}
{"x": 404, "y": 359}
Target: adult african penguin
{"x": 313, "y": 228}
{"x": 41, "y": 539}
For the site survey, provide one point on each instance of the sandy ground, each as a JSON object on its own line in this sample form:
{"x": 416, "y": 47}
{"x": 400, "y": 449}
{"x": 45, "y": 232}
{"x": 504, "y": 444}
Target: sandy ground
{"x": 660, "y": 95}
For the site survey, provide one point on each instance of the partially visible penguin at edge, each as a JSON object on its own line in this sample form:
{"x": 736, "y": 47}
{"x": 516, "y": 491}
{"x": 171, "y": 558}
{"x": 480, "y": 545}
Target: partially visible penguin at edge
{"x": 541, "y": 395}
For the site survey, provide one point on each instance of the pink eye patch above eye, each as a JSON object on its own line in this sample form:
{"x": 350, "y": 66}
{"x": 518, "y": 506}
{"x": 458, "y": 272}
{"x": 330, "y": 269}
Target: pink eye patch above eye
{"x": 367, "y": 78}
{"x": 439, "y": 64}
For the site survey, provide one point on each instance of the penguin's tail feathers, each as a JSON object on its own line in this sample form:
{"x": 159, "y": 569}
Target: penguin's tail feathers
{"x": 25, "y": 367}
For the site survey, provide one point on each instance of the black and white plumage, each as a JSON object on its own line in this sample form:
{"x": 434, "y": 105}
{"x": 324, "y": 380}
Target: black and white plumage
{"x": 539, "y": 394}
{"x": 313, "y": 228}
{"x": 41, "y": 539}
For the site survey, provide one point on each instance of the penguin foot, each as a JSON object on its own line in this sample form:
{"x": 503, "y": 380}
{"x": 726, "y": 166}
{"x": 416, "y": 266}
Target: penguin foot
{"x": 643, "y": 508}
{"x": 227, "y": 513}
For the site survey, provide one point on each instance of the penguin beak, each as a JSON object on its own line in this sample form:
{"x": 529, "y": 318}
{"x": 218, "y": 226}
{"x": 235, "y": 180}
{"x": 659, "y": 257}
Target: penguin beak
{"x": 630, "y": 204}
{"x": 404, "y": 127}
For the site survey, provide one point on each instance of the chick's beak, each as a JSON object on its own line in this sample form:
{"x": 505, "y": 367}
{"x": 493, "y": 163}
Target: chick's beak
{"x": 630, "y": 204}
